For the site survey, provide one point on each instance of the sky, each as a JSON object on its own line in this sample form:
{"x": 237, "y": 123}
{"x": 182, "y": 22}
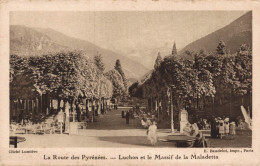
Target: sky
{"x": 131, "y": 33}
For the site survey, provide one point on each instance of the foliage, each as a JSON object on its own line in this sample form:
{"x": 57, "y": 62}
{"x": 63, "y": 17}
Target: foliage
{"x": 200, "y": 77}
{"x": 117, "y": 81}
{"x": 99, "y": 63}
{"x": 119, "y": 68}
{"x": 64, "y": 75}
{"x": 174, "y": 49}
{"x": 221, "y": 48}
{"x": 158, "y": 61}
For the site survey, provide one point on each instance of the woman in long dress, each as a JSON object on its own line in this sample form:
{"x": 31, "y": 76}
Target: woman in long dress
{"x": 152, "y": 133}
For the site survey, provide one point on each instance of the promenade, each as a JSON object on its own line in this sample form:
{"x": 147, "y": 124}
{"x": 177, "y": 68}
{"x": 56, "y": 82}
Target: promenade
{"x": 111, "y": 130}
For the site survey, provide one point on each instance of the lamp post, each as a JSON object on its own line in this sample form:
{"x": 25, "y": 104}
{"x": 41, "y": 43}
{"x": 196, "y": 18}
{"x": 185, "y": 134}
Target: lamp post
{"x": 171, "y": 107}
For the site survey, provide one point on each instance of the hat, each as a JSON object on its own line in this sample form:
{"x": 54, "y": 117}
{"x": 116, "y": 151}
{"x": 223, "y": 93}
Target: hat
{"x": 226, "y": 119}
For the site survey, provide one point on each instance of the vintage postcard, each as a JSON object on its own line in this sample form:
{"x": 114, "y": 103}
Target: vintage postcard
{"x": 129, "y": 83}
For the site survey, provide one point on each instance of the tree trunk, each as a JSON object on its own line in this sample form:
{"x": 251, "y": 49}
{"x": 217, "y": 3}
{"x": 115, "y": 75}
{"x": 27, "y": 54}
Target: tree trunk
{"x": 151, "y": 104}
{"x": 48, "y": 101}
{"x": 32, "y": 107}
{"x": 27, "y": 105}
{"x": 197, "y": 101}
{"x": 230, "y": 104}
{"x": 87, "y": 109}
{"x": 71, "y": 105}
{"x": 51, "y": 102}
{"x": 36, "y": 105}
{"x": 59, "y": 100}
{"x": 213, "y": 104}
{"x": 11, "y": 111}
{"x": 17, "y": 107}
{"x": 41, "y": 104}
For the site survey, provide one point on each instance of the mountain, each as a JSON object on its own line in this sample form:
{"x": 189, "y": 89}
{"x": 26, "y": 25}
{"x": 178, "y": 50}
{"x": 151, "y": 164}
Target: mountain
{"x": 148, "y": 57}
{"x": 28, "y": 41}
{"x": 236, "y": 33}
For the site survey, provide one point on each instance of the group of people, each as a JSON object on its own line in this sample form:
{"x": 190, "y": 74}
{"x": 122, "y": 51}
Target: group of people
{"x": 131, "y": 114}
{"x": 222, "y": 128}
{"x": 203, "y": 124}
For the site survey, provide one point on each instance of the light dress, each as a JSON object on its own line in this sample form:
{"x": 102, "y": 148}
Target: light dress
{"x": 232, "y": 130}
{"x": 226, "y": 127}
{"x": 152, "y": 134}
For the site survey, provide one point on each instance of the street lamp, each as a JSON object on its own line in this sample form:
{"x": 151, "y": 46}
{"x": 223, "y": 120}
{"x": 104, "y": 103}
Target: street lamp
{"x": 169, "y": 92}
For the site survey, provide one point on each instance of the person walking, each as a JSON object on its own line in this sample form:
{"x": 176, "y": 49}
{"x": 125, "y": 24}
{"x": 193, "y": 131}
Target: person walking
{"x": 127, "y": 117}
{"x": 152, "y": 133}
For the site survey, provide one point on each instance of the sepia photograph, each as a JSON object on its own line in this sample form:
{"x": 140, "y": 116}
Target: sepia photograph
{"x": 130, "y": 79}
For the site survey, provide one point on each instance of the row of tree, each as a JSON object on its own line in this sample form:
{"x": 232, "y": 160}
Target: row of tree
{"x": 67, "y": 76}
{"x": 205, "y": 78}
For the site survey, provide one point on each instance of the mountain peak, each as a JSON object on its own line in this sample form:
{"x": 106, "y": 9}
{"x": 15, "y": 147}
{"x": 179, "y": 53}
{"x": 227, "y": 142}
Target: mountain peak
{"x": 236, "y": 33}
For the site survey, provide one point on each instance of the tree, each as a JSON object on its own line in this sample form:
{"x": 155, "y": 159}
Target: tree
{"x": 189, "y": 80}
{"x": 221, "y": 48}
{"x": 243, "y": 69}
{"x": 117, "y": 81}
{"x": 158, "y": 61}
{"x": 99, "y": 63}
{"x": 119, "y": 68}
{"x": 174, "y": 49}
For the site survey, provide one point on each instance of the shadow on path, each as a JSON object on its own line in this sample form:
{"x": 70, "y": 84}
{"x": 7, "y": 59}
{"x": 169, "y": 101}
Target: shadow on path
{"x": 136, "y": 140}
{"x": 113, "y": 121}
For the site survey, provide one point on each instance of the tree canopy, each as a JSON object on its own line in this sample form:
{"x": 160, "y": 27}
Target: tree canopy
{"x": 65, "y": 75}
{"x": 117, "y": 81}
{"x": 119, "y": 68}
{"x": 213, "y": 75}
